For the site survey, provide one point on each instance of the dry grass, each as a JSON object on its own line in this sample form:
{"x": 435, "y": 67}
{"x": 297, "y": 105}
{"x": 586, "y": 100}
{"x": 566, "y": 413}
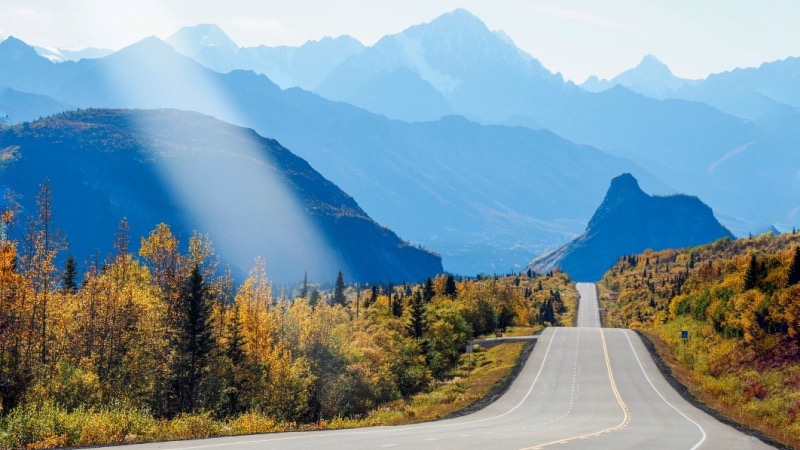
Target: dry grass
{"x": 706, "y": 394}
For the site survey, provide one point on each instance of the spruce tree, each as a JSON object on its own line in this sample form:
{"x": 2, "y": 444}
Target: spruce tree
{"x": 373, "y": 296}
{"x": 427, "y": 291}
{"x": 794, "y": 269}
{"x": 314, "y": 297}
{"x": 69, "y": 276}
{"x": 338, "y": 291}
{"x": 304, "y": 286}
{"x": 450, "y": 286}
{"x": 751, "y": 274}
{"x": 192, "y": 343}
{"x": 397, "y": 306}
{"x": 416, "y": 325}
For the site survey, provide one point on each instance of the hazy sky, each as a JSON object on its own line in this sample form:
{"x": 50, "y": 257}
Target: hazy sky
{"x": 577, "y": 37}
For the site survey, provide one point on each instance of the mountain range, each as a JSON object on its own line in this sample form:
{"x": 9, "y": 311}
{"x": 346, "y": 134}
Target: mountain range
{"x": 519, "y": 172}
{"x": 697, "y": 135}
{"x": 629, "y": 222}
{"x": 485, "y": 197}
{"x": 302, "y": 66}
{"x": 252, "y": 196}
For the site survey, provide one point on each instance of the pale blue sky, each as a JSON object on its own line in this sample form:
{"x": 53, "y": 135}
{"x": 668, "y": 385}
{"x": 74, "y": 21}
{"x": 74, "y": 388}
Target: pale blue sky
{"x": 577, "y": 38}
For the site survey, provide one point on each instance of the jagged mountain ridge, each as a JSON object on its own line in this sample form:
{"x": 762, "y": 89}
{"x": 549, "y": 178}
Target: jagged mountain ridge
{"x": 251, "y": 195}
{"x": 628, "y": 222}
{"x": 461, "y": 181}
{"x": 287, "y": 66}
{"x": 650, "y": 77}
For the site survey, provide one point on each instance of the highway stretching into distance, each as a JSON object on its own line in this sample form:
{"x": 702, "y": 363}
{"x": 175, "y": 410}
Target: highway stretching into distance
{"x": 584, "y": 387}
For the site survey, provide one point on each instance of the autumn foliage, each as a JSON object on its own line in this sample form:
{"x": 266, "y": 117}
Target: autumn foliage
{"x": 155, "y": 341}
{"x": 740, "y": 302}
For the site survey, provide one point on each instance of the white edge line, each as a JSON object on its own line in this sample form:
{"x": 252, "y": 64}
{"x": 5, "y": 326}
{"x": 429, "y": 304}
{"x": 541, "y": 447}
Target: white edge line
{"x": 703, "y": 439}
{"x": 306, "y": 435}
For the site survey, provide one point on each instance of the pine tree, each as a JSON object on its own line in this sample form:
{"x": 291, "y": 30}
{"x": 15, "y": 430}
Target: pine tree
{"x": 751, "y": 274}
{"x": 427, "y": 291}
{"x": 314, "y": 297}
{"x": 450, "y": 287}
{"x": 416, "y": 325}
{"x": 304, "y": 286}
{"x": 235, "y": 346}
{"x": 192, "y": 343}
{"x": 69, "y": 275}
{"x": 338, "y": 291}
{"x": 397, "y": 306}
{"x": 794, "y": 269}
{"x": 373, "y": 296}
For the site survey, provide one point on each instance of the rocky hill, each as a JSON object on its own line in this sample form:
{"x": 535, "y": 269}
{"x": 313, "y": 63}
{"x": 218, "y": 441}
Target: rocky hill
{"x": 630, "y": 221}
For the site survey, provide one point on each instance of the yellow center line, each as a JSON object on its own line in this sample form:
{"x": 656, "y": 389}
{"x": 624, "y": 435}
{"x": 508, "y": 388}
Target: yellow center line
{"x": 625, "y": 415}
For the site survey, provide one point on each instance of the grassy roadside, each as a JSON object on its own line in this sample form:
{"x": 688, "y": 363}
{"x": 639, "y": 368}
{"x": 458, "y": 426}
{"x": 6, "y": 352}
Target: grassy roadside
{"x": 689, "y": 386}
{"x": 489, "y": 369}
{"x": 476, "y": 377}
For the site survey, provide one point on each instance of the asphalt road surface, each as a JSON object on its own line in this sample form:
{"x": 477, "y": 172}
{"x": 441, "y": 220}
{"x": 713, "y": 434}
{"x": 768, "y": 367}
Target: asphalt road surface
{"x": 583, "y": 387}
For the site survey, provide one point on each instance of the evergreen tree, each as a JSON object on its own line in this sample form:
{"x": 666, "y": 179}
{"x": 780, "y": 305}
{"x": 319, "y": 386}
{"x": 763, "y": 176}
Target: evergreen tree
{"x": 192, "y": 343}
{"x": 427, "y": 291}
{"x": 751, "y": 274}
{"x": 338, "y": 291}
{"x": 416, "y": 325}
{"x": 69, "y": 276}
{"x": 304, "y": 286}
{"x": 235, "y": 346}
{"x": 373, "y": 296}
{"x": 314, "y": 297}
{"x": 794, "y": 269}
{"x": 397, "y": 306}
{"x": 450, "y": 286}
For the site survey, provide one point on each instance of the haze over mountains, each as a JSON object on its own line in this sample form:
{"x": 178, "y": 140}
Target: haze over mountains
{"x": 252, "y": 196}
{"x": 519, "y": 173}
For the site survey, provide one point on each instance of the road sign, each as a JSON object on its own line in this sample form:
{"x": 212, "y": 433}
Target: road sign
{"x": 684, "y": 334}
{"x": 469, "y": 347}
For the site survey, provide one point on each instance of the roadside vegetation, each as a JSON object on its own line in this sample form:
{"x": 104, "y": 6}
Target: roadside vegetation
{"x": 156, "y": 342}
{"x": 739, "y": 301}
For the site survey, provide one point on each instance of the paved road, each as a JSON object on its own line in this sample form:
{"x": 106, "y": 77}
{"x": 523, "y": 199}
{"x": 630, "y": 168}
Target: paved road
{"x": 583, "y": 387}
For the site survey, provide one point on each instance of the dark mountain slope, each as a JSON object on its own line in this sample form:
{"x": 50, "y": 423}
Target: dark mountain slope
{"x": 252, "y": 196}
{"x": 630, "y": 221}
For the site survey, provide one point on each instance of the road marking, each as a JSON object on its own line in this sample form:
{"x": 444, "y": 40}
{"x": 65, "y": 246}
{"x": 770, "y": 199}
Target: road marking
{"x": 373, "y": 431}
{"x": 388, "y": 445}
{"x": 698, "y": 444}
{"x": 625, "y": 415}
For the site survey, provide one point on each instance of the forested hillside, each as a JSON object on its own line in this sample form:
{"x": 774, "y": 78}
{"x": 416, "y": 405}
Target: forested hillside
{"x": 151, "y": 343}
{"x": 739, "y": 300}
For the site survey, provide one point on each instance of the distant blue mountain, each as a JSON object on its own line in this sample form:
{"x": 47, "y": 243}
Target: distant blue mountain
{"x": 476, "y": 71}
{"x": 651, "y": 78}
{"x": 302, "y": 66}
{"x": 17, "y": 106}
{"x": 252, "y": 196}
{"x": 629, "y": 222}
{"x": 486, "y": 197}
{"x": 750, "y": 92}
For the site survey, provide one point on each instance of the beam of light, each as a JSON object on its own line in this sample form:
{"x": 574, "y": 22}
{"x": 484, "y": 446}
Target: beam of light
{"x": 223, "y": 181}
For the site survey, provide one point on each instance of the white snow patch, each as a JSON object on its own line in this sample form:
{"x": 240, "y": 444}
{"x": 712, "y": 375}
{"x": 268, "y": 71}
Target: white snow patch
{"x": 414, "y": 53}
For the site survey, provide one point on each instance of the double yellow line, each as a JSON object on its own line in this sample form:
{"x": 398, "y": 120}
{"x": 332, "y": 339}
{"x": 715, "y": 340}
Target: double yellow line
{"x": 625, "y": 414}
